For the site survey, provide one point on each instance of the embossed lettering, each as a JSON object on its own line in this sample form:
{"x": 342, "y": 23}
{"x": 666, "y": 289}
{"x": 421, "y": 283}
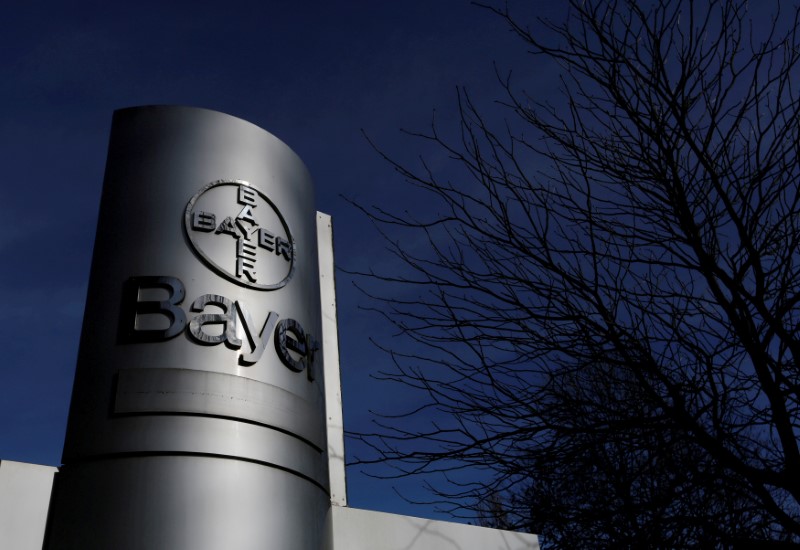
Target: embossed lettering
{"x": 247, "y": 195}
{"x": 130, "y": 329}
{"x": 295, "y": 348}
{"x": 258, "y": 346}
{"x": 227, "y": 319}
{"x": 204, "y": 221}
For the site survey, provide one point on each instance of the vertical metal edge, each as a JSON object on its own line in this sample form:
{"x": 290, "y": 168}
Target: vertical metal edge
{"x": 330, "y": 350}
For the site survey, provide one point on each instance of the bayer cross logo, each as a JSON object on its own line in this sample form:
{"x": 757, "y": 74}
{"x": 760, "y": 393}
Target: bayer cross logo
{"x": 240, "y": 233}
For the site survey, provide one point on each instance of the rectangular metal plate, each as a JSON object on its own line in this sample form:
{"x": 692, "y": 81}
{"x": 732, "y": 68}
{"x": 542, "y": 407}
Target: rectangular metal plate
{"x": 187, "y": 391}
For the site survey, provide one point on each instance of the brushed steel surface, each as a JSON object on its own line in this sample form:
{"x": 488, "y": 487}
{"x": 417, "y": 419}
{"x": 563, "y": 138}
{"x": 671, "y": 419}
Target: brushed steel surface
{"x": 210, "y": 393}
{"x": 186, "y": 434}
{"x": 159, "y": 159}
{"x": 192, "y": 426}
{"x": 185, "y": 503}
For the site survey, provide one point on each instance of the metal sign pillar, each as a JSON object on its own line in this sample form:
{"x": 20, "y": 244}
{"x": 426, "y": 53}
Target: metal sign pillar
{"x": 198, "y": 414}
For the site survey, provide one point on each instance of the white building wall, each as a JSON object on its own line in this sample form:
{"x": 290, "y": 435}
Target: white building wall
{"x": 355, "y": 529}
{"x": 24, "y": 499}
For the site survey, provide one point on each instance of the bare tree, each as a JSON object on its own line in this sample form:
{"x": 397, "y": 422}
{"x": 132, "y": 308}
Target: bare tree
{"x": 604, "y": 316}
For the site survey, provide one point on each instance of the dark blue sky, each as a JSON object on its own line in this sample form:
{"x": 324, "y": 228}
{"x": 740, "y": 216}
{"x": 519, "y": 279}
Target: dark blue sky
{"x": 314, "y": 73}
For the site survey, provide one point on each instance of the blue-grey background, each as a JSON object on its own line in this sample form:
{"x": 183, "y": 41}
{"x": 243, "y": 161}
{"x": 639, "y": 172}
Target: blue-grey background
{"x": 314, "y": 73}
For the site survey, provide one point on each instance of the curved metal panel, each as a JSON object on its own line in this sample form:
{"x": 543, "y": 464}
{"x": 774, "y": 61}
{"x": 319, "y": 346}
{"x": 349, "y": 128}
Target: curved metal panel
{"x": 206, "y": 436}
{"x": 199, "y": 340}
{"x": 185, "y": 503}
{"x": 179, "y": 391}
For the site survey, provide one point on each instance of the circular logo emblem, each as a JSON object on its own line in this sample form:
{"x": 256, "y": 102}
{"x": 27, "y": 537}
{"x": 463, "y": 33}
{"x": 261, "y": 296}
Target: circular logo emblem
{"x": 240, "y": 234}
